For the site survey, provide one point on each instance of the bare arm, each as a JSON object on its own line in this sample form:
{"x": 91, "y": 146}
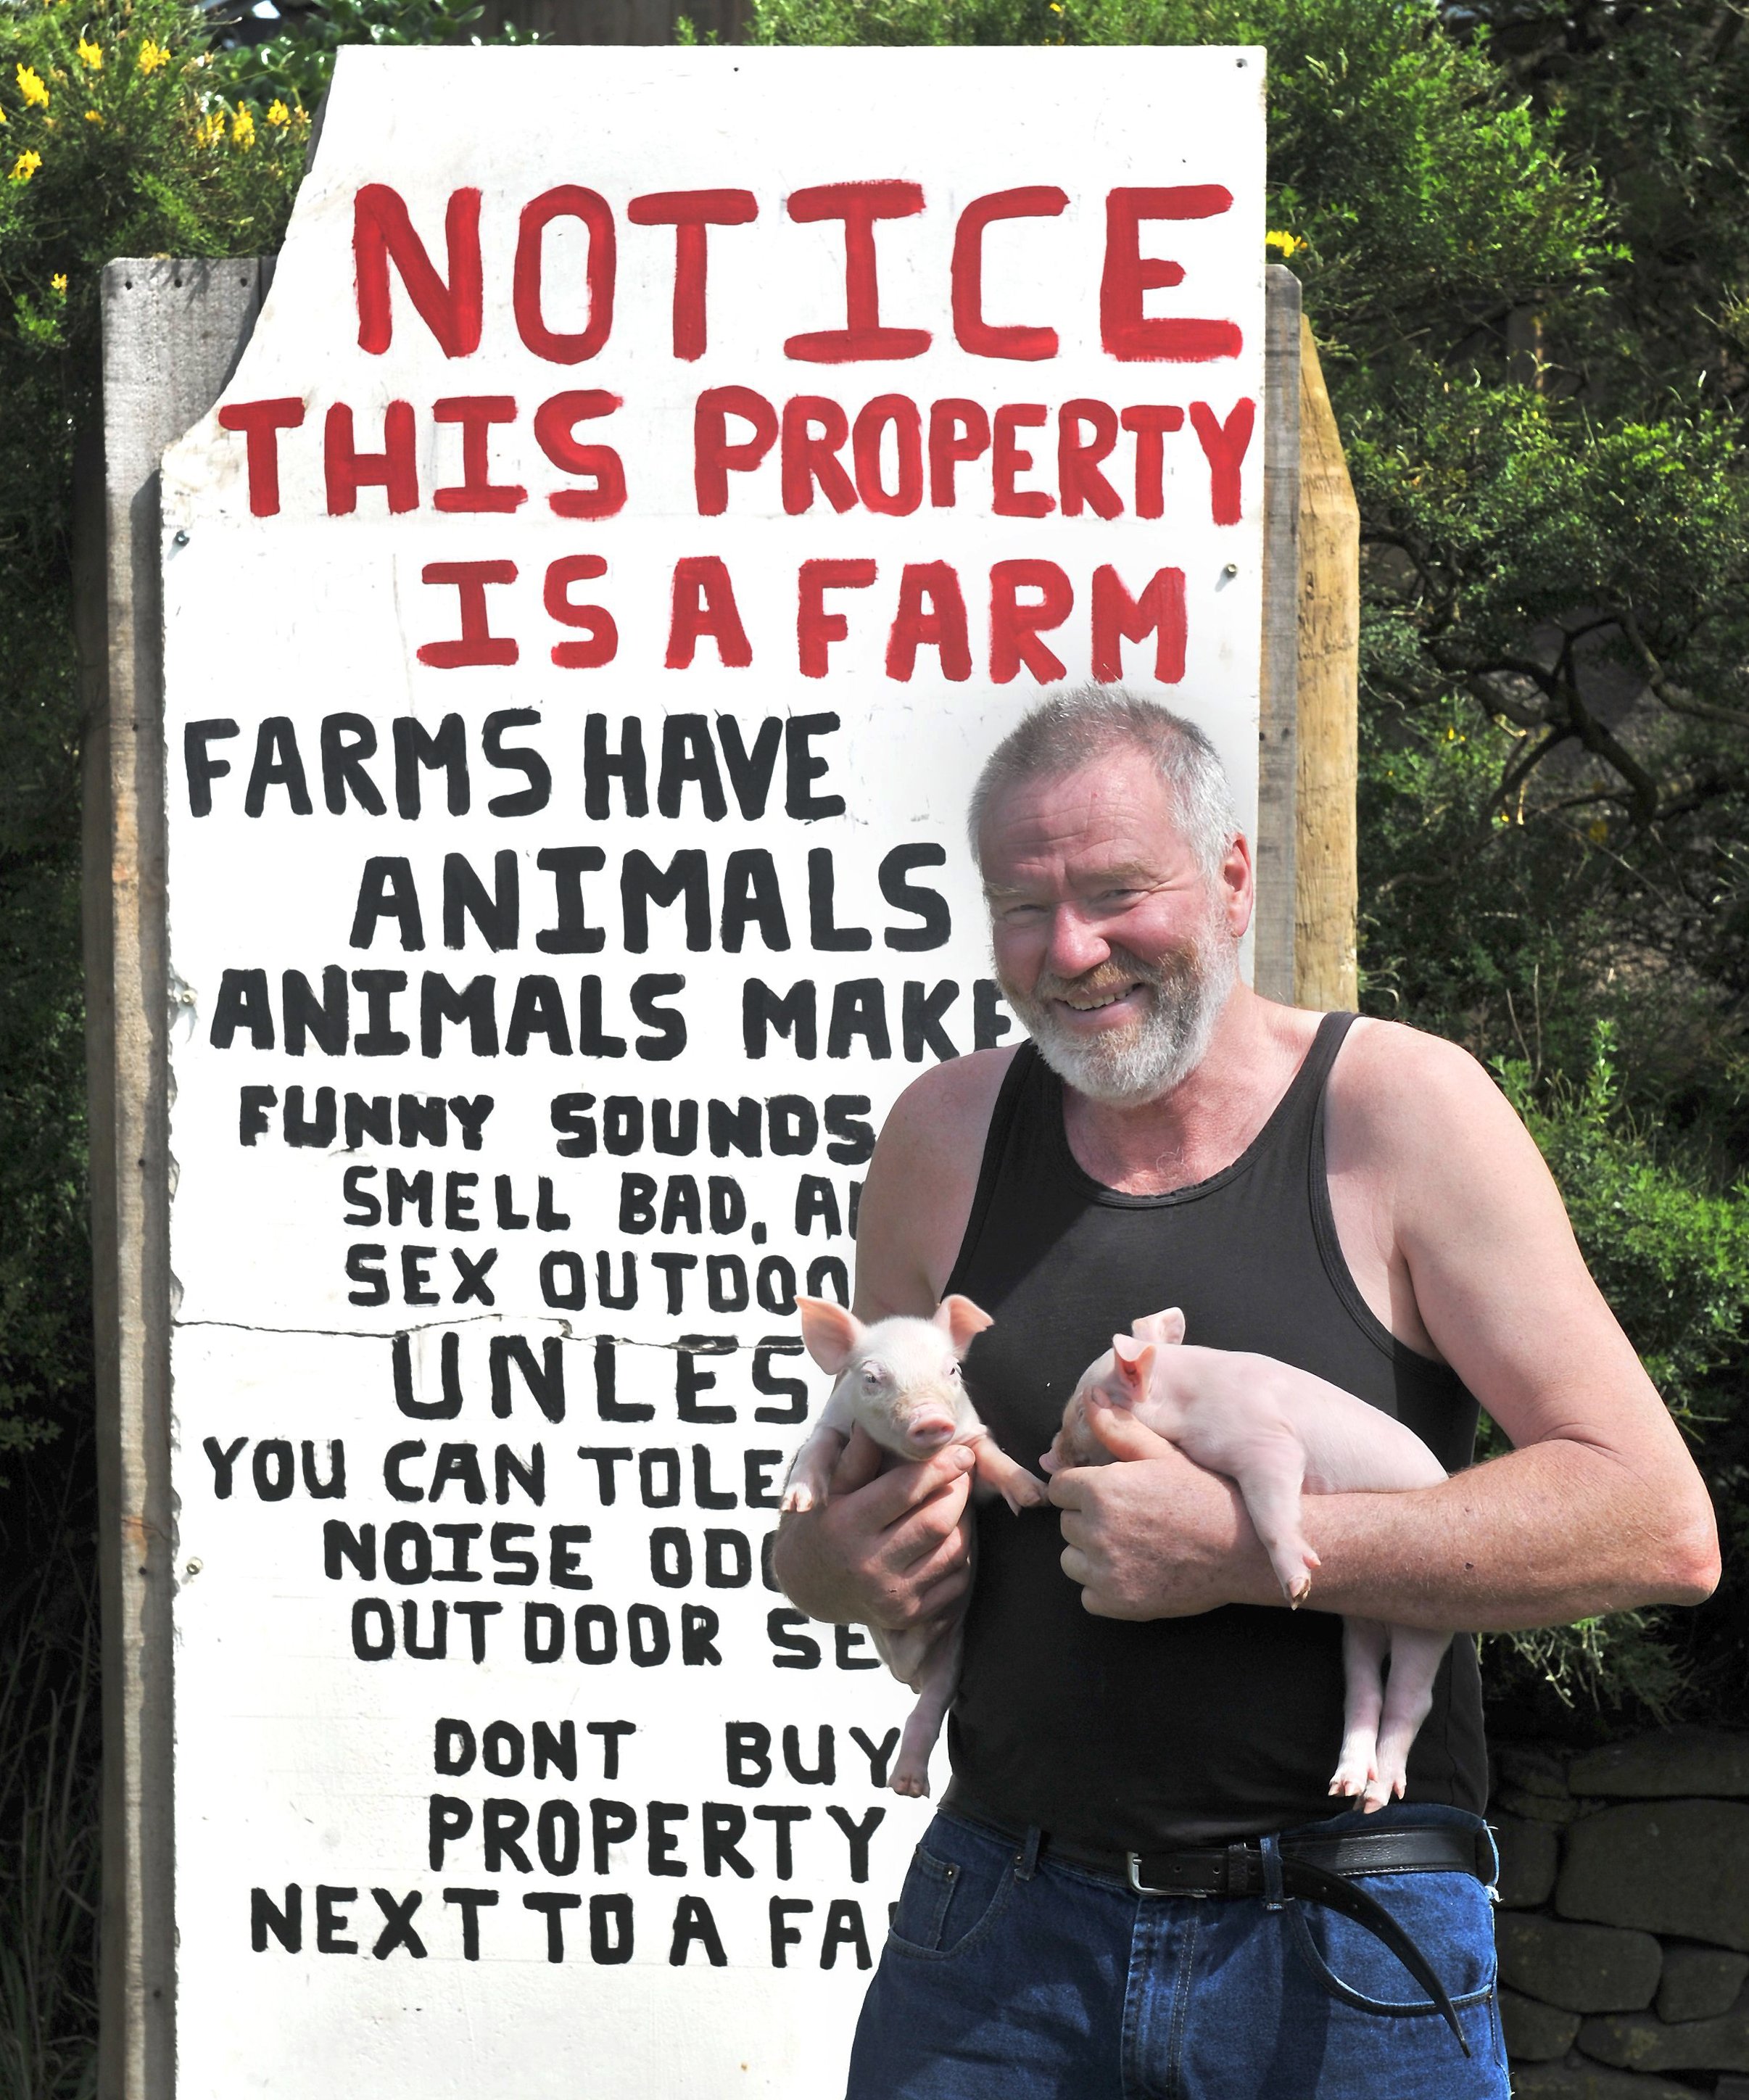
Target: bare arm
{"x": 893, "y": 1550}
{"x": 1598, "y": 1507}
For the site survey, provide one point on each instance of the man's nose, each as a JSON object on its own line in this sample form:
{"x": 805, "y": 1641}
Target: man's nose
{"x": 1077, "y": 942}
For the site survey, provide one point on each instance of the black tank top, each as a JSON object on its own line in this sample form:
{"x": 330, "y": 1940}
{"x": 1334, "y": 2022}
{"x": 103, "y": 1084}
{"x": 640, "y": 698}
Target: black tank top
{"x": 1184, "y": 1731}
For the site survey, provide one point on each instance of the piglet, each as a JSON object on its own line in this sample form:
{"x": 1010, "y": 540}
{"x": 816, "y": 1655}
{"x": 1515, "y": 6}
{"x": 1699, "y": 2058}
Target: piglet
{"x": 900, "y": 1379}
{"x": 1270, "y": 1444}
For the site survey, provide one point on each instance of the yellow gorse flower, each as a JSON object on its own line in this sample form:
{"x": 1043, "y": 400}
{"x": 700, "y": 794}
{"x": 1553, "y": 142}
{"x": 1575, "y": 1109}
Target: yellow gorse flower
{"x": 58, "y": 284}
{"x": 93, "y": 117}
{"x": 243, "y": 128}
{"x": 92, "y": 54}
{"x": 278, "y": 113}
{"x": 1285, "y": 244}
{"x": 211, "y": 129}
{"x": 31, "y": 86}
{"x": 24, "y": 167}
{"x": 153, "y": 56}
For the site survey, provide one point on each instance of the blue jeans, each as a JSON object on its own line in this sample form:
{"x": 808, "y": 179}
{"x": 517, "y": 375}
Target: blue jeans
{"x": 1008, "y": 1976}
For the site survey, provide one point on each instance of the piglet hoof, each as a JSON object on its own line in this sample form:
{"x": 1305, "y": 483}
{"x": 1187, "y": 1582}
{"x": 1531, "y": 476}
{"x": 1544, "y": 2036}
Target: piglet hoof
{"x": 1027, "y": 1494}
{"x": 1298, "y": 1591}
{"x": 1353, "y": 1775}
{"x": 915, "y": 1785}
{"x": 1382, "y": 1790}
{"x": 797, "y": 1498}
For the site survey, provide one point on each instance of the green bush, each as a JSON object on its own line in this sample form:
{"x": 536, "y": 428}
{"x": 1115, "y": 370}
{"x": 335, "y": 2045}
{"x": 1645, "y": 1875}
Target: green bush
{"x": 120, "y": 136}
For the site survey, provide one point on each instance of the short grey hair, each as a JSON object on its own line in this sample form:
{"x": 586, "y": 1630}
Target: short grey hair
{"x": 1070, "y": 730}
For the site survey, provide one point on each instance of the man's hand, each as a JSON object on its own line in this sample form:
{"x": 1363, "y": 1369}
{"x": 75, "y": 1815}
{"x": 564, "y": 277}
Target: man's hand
{"x": 889, "y": 1550}
{"x": 1156, "y": 1536}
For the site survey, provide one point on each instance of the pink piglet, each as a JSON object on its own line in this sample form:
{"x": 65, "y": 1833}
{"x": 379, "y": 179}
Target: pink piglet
{"x": 1281, "y": 1432}
{"x": 900, "y": 1379}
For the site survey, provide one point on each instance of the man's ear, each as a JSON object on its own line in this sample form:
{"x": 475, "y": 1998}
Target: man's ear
{"x": 961, "y": 1321}
{"x": 832, "y": 1333}
{"x": 1131, "y": 1360}
{"x": 1166, "y": 1328}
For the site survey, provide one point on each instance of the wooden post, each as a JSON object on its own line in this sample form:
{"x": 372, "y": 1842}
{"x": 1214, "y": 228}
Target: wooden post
{"x": 1276, "y": 842}
{"x": 172, "y": 332}
{"x": 1325, "y": 879}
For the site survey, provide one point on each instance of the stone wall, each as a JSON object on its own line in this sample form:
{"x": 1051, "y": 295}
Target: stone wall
{"x": 1623, "y": 1922}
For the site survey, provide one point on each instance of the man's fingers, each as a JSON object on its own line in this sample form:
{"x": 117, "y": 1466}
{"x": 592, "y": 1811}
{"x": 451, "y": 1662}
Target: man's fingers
{"x": 924, "y": 1530}
{"x": 1075, "y": 1567}
{"x": 893, "y": 1497}
{"x": 859, "y": 1463}
{"x": 1124, "y": 1437}
{"x": 941, "y": 1596}
{"x": 951, "y": 1555}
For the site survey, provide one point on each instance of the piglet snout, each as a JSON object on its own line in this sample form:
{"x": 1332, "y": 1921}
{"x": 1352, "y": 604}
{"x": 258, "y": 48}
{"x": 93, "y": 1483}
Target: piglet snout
{"x": 929, "y": 1432}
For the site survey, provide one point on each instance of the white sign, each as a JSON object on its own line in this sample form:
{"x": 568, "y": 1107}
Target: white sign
{"x": 656, "y": 480}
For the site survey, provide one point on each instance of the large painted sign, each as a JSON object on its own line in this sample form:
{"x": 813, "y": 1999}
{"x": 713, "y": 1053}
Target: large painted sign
{"x": 656, "y": 481}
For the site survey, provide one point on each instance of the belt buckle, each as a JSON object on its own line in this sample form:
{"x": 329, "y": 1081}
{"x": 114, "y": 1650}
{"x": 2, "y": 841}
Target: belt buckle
{"x": 1132, "y": 1863}
{"x": 1132, "y": 1866}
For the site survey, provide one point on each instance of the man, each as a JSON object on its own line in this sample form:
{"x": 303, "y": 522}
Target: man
{"x": 1122, "y": 1897}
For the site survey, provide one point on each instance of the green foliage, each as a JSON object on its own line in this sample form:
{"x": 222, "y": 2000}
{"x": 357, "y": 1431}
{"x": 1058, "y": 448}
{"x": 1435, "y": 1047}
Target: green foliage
{"x": 1672, "y": 1257}
{"x": 296, "y": 64}
{"x": 122, "y": 135}
{"x": 49, "y": 1833}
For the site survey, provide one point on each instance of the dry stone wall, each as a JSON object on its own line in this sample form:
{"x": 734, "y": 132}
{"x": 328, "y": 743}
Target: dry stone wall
{"x": 1623, "y": 1923}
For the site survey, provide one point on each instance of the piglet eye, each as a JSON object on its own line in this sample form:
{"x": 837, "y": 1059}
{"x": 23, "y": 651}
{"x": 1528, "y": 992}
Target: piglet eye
{"x": 871, "y": 1375}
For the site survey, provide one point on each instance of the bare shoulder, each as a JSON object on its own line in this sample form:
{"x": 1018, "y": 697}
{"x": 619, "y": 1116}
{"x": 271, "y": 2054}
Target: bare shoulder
{"x": 1411, "y": 1109}
{"x": 922, "y": 1181}
{"x": 948, "y": 1102}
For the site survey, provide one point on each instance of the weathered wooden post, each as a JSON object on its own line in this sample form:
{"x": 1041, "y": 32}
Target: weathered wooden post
{"x": 1275, "y": 839}
{"x": 171, "y": 333}
{"x": 1326, "y": 885}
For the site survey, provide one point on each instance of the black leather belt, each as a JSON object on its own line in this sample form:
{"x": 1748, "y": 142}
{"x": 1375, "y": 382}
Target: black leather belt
{"x": 1316, "y": 1869}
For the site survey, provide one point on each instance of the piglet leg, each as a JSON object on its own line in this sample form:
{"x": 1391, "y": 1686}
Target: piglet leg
{"x": 936, "y": 1685}
{"x": 1270, "y": 1481}
{"x": 906, "y": 1651}
{"x": 1416, "y": 1654}
{"x": 810, "y": 1478}
{"x": 1018, "y": 1488}
{"x": 1364, "y": 1645}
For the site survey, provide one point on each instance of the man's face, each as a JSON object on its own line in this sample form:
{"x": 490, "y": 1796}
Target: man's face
{"x": 1111, "y": 944}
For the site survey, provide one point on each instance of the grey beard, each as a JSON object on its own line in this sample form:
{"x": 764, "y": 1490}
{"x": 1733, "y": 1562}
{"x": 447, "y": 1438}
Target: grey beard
{"x": 1125, "y": 1067}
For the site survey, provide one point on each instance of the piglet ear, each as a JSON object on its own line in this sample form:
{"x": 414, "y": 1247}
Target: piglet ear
{"x": 832, "y": 1333}
{"x": 1131, "y": 1360}
{"x": 962, "y": 1321}
{"x": 1166, "y": 1328}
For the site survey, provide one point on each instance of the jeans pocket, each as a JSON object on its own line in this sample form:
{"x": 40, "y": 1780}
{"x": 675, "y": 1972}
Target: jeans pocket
{"x": 1448, "y": 1917}
{"x": 946, "y": 1904}
{"x": 923, "y": 1901}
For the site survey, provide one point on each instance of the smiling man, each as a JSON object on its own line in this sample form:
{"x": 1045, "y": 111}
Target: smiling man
{"x": 1138, "y": 1885}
